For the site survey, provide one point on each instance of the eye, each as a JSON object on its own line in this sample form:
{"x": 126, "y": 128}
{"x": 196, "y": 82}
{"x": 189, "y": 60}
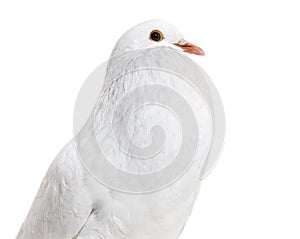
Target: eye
{"x": 156, "y": 35}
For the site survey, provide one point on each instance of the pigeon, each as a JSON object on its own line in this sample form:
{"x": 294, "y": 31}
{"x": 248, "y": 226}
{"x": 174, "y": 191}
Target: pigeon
{"x": 134, "y": 169}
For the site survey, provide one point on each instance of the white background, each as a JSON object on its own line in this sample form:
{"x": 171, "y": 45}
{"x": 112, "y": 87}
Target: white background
{"x": 47, "y": 49}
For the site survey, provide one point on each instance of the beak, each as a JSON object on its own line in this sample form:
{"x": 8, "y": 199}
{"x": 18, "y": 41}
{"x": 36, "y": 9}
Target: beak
{"x": 190, "y": 48}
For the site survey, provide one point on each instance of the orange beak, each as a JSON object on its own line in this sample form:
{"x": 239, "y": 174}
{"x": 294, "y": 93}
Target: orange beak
{"x": 190, "y": 48}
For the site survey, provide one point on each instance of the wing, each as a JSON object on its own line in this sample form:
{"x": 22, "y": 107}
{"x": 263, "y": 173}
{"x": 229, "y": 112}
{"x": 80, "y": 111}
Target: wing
{"x": 62, "y": 204}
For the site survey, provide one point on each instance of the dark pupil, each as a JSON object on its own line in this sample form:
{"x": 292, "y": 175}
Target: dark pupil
{"x": 155, "y": 36}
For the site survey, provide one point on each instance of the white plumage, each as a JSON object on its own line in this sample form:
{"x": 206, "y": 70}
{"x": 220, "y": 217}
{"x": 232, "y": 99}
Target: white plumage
{"x": 79, "y": 198}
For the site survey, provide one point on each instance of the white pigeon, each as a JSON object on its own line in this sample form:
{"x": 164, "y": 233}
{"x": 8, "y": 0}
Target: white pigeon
{"x": 117, "y": 178}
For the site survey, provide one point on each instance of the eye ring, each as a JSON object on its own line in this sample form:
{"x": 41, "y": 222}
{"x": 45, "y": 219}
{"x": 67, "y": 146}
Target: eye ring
{"x": 156, "y": 35}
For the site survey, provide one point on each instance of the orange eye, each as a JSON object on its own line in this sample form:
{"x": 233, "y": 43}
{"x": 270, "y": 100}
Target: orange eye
{"x": 156, "y": 35}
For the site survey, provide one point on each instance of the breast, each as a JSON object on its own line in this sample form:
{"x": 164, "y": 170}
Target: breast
{"x": 153, "y": 129}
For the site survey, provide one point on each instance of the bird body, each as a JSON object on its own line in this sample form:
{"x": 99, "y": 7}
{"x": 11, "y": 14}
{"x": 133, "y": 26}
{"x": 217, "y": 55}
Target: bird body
{"x": 81, "y": 198}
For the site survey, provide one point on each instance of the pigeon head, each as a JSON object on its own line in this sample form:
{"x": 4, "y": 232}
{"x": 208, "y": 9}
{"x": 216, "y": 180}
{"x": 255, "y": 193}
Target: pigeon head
{"x": 154, "y": 33}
